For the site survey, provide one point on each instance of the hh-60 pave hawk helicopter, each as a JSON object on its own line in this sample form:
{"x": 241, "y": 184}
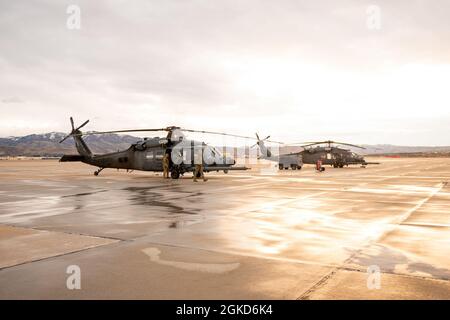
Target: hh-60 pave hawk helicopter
{"x": 333, "y": 155}
{"x": 329, "y": 155}
{"x": 147, "y": 154}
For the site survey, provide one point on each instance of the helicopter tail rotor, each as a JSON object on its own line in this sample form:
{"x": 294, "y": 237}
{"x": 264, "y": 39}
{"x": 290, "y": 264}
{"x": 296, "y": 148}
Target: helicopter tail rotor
{"x": 74, "y": 130}
{"x": 259, "y": 141}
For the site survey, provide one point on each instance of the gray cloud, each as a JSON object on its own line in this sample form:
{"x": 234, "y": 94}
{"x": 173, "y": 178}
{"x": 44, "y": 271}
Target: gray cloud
{"x": 293, "y": 69}
{"x": 12, "y": 100}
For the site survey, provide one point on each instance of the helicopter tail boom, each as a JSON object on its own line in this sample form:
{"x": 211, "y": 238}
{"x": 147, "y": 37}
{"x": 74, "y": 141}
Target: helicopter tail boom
{"x": 72, "y": 158}
{"x": 82, "y": 147}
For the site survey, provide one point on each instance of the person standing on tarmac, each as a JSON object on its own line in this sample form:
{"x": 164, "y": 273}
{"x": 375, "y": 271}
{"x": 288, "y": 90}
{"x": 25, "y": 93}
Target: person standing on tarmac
{"x": 319, "y": 167}
{"x": 198, "y": 162}
{"x": 166, "y": 161}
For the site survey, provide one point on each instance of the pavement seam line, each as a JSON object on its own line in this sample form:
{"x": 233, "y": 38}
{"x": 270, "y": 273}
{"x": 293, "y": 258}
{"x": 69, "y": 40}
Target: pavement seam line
{"x": 305, "y": 295}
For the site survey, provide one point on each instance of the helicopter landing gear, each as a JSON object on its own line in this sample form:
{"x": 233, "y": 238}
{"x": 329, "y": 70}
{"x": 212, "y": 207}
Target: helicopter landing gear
{"x": 98, "y": 171}
{"x": 175, "y": 174}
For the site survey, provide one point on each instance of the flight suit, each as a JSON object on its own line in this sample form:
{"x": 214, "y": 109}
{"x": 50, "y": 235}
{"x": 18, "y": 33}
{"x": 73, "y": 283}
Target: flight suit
{"x": 166, "y": 166}
{"x": 198, "y": 171}
{"x": 198, "y": 164}
{"x": 319, "y": 165}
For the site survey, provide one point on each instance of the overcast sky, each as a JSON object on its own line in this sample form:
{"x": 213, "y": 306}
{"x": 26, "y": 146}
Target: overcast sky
{"x": 298, "y": 70}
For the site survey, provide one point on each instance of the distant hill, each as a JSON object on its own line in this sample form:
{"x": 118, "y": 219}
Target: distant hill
{"x": 381, "y": 149}
{"x": 48, "y": 144}
{"x": 387, "y": 150}
{"x": 391, "y": 149}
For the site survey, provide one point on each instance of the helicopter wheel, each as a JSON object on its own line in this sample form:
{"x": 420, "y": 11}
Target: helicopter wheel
{"x": 280, "y": 167}
{"x": 174, "y": 174}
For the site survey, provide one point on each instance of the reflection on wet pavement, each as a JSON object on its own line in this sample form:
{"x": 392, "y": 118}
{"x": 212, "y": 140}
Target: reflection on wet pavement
{"x": 395, "y": 215}
{"x": 147, "y": 197}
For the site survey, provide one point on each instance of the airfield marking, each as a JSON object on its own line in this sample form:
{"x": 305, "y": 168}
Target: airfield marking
{"x": 154, "y": 255}
{"x": 390, "y": 227}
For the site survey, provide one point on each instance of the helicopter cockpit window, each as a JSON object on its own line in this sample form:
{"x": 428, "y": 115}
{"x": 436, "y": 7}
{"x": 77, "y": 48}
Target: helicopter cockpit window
{"x": 140, "y": 146}
{"x": 177, "y": 135}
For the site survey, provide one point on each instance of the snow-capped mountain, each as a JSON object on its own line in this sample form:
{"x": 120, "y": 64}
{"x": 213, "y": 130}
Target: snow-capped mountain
{"x": 47, "y": 144}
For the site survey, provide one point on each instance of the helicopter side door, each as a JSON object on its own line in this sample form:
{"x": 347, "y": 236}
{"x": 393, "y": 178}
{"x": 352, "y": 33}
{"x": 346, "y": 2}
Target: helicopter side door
{"x": 153, "y": 159}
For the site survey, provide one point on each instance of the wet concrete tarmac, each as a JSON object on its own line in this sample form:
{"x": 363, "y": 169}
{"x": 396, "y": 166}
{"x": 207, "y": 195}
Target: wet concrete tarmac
{"x": 244, "y": 235}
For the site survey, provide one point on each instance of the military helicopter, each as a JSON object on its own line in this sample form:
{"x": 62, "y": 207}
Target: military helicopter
{"x": 285, "y": 161}
{"x": 332, "y": 155}
{"x": 147, "y": 154}
{"x": 329, "y": 155}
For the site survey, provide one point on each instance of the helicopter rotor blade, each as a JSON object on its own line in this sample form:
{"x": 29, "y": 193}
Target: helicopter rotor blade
{"x": 170, "y": 129}
{"x": 348, "y": 144}
{"x": 70, "y": 134}
{"x": 218, "y": 133}
{"x": 65, "y": 138}
{"x": 302, "y": 144}
{"x": 84, "y": 123}
{"x": 227, "y": 134}
{"x": 329, "y": 142}
{"x": 118, "y": 131}
{"x": 257, "y": 137}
